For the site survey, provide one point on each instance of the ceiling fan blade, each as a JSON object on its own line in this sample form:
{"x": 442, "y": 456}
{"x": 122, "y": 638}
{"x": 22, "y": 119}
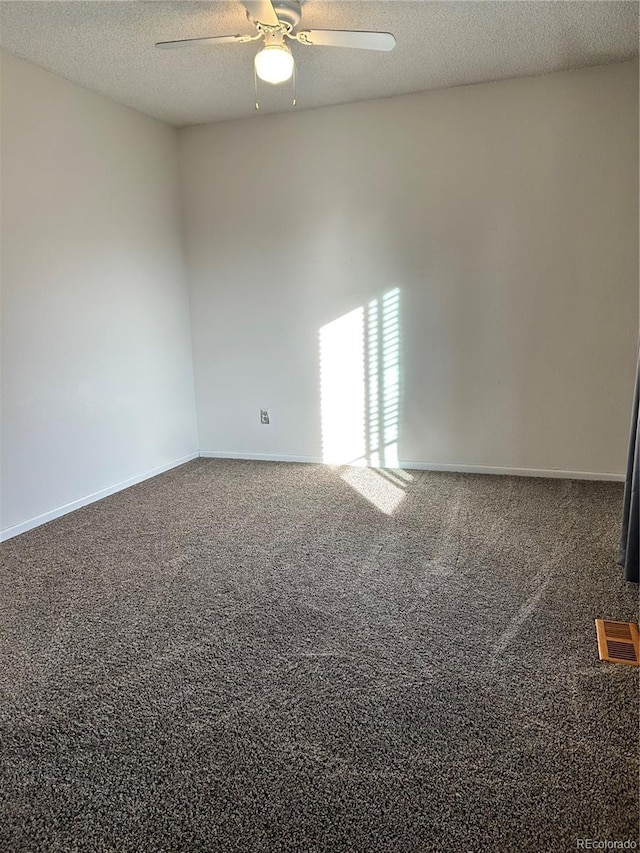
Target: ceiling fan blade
{"x": 195, "y": 42}
{"x": 261, "y": 10}
{"x": 348, "y": 38}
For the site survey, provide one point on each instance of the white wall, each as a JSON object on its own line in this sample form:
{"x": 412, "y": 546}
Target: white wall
{"x": 507, "y": 216}
{"x": 97, "y": 383}
{"x": 503, "y": 218}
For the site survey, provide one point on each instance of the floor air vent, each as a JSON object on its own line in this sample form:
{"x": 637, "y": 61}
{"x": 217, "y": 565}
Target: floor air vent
{"x": 618, "y": 642}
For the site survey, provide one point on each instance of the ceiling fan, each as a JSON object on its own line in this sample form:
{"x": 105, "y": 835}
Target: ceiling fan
{"x": 276, "y": 21}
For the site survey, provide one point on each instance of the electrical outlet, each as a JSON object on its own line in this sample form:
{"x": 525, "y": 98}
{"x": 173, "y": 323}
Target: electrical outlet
{"x": 264, "y": 416}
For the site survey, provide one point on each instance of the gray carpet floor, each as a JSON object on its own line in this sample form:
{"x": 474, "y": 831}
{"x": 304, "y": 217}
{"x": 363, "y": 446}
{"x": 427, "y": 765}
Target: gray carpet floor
{"x": 250, "y": 656}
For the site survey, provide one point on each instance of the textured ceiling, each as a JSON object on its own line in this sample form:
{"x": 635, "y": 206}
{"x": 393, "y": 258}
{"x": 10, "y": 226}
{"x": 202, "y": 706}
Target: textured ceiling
{"x": 109, "y": 47}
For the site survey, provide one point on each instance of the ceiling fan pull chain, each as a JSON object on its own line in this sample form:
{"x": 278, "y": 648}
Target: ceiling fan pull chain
{"x": 255, "y": 88}
{"x": 295, "y": 101}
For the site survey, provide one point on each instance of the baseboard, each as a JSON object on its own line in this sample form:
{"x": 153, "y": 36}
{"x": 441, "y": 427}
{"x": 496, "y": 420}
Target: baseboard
{"x": 412, "y": 465}
{"x": 17, "y": 529}
{"x": 513, "y": 472}
{"x": 260, "y": 457}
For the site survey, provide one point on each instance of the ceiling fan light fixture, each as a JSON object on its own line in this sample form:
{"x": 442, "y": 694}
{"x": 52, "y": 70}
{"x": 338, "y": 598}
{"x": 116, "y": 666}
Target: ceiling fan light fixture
{"x": 274, "y": 63}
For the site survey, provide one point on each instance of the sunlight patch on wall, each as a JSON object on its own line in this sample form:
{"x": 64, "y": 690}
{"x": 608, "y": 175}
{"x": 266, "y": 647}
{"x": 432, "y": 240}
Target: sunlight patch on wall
{"x": 360, "y": 381}
{"x": 342, "y": 389}
{"x": 383, "y": 379}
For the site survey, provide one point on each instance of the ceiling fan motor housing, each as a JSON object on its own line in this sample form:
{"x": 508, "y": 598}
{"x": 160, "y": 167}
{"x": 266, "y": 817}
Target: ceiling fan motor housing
{"x": 275, "y": 40}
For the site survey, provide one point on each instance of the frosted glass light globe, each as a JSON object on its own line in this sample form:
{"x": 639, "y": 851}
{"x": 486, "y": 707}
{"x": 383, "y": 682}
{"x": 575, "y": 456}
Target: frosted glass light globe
{"x": 274, "y": 63}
